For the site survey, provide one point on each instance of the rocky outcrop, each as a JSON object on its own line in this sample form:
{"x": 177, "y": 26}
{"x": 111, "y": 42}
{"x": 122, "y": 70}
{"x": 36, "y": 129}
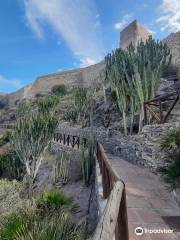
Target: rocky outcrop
{"x": 3, "y": 100}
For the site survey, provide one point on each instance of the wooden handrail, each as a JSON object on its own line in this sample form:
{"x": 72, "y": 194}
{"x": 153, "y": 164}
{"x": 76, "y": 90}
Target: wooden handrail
{"x": 116, "y": 210}
{"x": 107, "y": 224}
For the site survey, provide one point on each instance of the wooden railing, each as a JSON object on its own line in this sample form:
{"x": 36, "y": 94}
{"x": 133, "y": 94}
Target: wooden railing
{"x": 69, "y": 140}
{"x": 113, "y": 223}
{"x": 155, "y": 107}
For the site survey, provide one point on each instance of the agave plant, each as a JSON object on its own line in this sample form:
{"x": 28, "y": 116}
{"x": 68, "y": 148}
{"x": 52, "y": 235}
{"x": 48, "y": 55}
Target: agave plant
{"x": 54, "y": 201}
{"x": 28, "y": 226}
{"x": 57, "y": 227}
{"x": 13, "y": 222}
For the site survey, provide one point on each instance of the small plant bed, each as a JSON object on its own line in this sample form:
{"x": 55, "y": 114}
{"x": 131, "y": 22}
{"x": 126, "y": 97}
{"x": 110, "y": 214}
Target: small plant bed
{"x": 46, "y": 194}
{"x": 61, "y": 171}
{"x": 49, "y": 218}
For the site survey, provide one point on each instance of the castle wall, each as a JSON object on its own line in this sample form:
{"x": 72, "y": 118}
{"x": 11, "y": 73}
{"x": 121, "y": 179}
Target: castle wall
{"x": 43, "y": 84}
{"x": 78, "y": 77}
{"x": 173, "y": 42}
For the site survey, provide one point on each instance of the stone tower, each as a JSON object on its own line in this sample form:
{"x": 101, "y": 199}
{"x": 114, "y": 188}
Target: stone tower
{"x": 133, "y": 33}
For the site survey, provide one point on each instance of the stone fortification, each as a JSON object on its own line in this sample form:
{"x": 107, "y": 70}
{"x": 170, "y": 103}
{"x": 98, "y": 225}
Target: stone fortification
{"x": 43, "y": 84}
{"x": 173, "y": 42}
{"x": 133, "y": 33}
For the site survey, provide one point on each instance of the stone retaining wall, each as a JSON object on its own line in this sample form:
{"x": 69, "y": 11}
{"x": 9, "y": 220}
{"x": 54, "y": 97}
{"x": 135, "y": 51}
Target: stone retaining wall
{"x": 142, "y": 149}
{"x": 99, "y": 133}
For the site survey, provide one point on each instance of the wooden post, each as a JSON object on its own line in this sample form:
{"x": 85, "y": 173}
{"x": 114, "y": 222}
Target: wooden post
{"x": 171, "y": 108}
{"x": 106, "y": 227}
{"x": 122, "y": 221}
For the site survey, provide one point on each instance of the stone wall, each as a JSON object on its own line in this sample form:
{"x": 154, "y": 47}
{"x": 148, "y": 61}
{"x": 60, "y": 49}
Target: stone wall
{"x": 173, "y": 42}
{"x": 144, "y": 149}
{"x": 70, "y": 78}
{"x": 43, "y": 84}
{"x": 84, "y": 133}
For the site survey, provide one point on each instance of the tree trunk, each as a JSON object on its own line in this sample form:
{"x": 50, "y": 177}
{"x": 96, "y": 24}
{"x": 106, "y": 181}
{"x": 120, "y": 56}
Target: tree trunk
{"x": 124, "y": 123}
{"x": 132, "y": 121}
{"x": 141, "y": 119}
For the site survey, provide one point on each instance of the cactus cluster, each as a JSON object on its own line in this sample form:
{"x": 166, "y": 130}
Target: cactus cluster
{"x": 88, "y": 158}
{"x": 61, "y": 169}
{"x": 134, "y": 75}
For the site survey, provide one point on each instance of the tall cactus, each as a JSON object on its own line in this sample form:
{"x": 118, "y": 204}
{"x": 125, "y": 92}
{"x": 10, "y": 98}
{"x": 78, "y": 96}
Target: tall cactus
{"x": 148, "y": 60}
{"x": 116, "y": 74}
{"x": 135, "y": 73}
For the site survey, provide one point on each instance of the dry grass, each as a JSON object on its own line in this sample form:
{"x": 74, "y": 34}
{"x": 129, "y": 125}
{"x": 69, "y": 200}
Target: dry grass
{"x": 10, "y": 197}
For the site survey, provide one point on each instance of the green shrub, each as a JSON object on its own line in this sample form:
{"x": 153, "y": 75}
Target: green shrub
{"x": 10, "y": 197}
{"x": 58, "y": 227}
{"x": 71, "y": 115}
{"x": 28, "y": 226}
{"x": 80, "y": 101}
{"x": 11, "y": 224}
{"x": 47, "y": 104}
{"x": 113, "y": 96}
{"x": 10, "y": 166}
{"x": 59, "y": 90}
{"x": 5, "y": 138}
{"x": 51, "y": 202}
{"x": 170, "y": 143}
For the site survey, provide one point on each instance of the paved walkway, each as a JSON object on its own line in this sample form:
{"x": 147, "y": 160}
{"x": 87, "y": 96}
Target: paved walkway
{"x": 149, "y": 203}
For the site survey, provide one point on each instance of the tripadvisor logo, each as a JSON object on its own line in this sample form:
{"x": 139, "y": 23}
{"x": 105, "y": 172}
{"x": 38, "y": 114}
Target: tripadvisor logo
{"x": 139, "y": 231}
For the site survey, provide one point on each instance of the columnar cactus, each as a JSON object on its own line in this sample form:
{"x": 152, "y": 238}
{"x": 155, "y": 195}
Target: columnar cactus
{"x": 134, "y": 74}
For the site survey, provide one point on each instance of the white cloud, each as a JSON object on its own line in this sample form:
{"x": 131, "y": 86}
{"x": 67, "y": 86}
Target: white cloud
{"x": 12, "y": 84}
{"x": 170, "y": 18}
{"x": 76, "y": 21}
{"x": 152, "y": 32}
{"x": 87, "y": 62}
{"x": 124, "y": 21}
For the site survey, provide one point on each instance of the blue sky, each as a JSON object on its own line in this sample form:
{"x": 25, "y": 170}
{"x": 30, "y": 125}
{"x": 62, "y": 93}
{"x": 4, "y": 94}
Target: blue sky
{"x": 38, "y": 37}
